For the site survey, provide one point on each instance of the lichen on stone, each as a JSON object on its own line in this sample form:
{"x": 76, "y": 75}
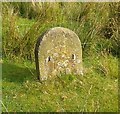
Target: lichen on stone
{"x": 59, "y": 51}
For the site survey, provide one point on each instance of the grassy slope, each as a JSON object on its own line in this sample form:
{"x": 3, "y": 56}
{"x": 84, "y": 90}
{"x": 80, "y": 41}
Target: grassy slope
{"x": 23, "y": 92}
{"x": 97, "y": 90}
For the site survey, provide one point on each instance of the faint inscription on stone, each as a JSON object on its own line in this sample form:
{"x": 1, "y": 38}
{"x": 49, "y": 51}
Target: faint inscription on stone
{"x": 57, "y": 51}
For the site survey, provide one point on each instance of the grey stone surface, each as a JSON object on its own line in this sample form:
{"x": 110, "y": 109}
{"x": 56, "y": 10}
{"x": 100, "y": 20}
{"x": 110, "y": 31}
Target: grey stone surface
{"x": 57, "y": 51}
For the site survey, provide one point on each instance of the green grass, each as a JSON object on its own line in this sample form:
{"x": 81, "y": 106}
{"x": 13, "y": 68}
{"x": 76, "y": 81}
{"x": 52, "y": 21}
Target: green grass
{"x": 66, "y": 93}
{"x": 90, "y": 21}
{"x": 96, "y": 91}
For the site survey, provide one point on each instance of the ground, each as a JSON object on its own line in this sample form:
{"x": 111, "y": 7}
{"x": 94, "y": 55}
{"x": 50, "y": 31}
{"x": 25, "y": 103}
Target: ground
{"x": 89, "y": 93}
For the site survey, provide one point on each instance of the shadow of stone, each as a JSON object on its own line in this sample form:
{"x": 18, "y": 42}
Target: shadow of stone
{"x": 14, "y": 73}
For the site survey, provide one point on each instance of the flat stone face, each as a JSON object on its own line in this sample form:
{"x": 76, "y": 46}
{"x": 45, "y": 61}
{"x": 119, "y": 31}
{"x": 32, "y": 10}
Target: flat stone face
{"x": 58, "y": 51}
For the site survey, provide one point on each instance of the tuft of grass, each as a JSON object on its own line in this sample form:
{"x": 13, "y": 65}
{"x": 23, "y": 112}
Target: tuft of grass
{"x": 108, "y": 66}
{"x": 102, "y": 63}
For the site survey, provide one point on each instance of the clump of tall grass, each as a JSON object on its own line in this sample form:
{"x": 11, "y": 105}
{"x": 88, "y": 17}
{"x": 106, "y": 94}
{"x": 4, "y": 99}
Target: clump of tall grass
{"x": 108, "y": 66}
{"x": 103, "y": 64}
{"x": 23, "y": 23}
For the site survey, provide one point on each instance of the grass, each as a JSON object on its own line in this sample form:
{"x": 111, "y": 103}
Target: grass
{"x": 96, "y": 25}
{"x": 91, "y": 22}
{"x": 22, "y": 92}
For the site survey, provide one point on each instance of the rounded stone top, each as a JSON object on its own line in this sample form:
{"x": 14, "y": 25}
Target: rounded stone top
{"x": 58, "y": 50}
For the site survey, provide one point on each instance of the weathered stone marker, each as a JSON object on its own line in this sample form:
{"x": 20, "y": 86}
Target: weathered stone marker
{"x": 58, "y": 51}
